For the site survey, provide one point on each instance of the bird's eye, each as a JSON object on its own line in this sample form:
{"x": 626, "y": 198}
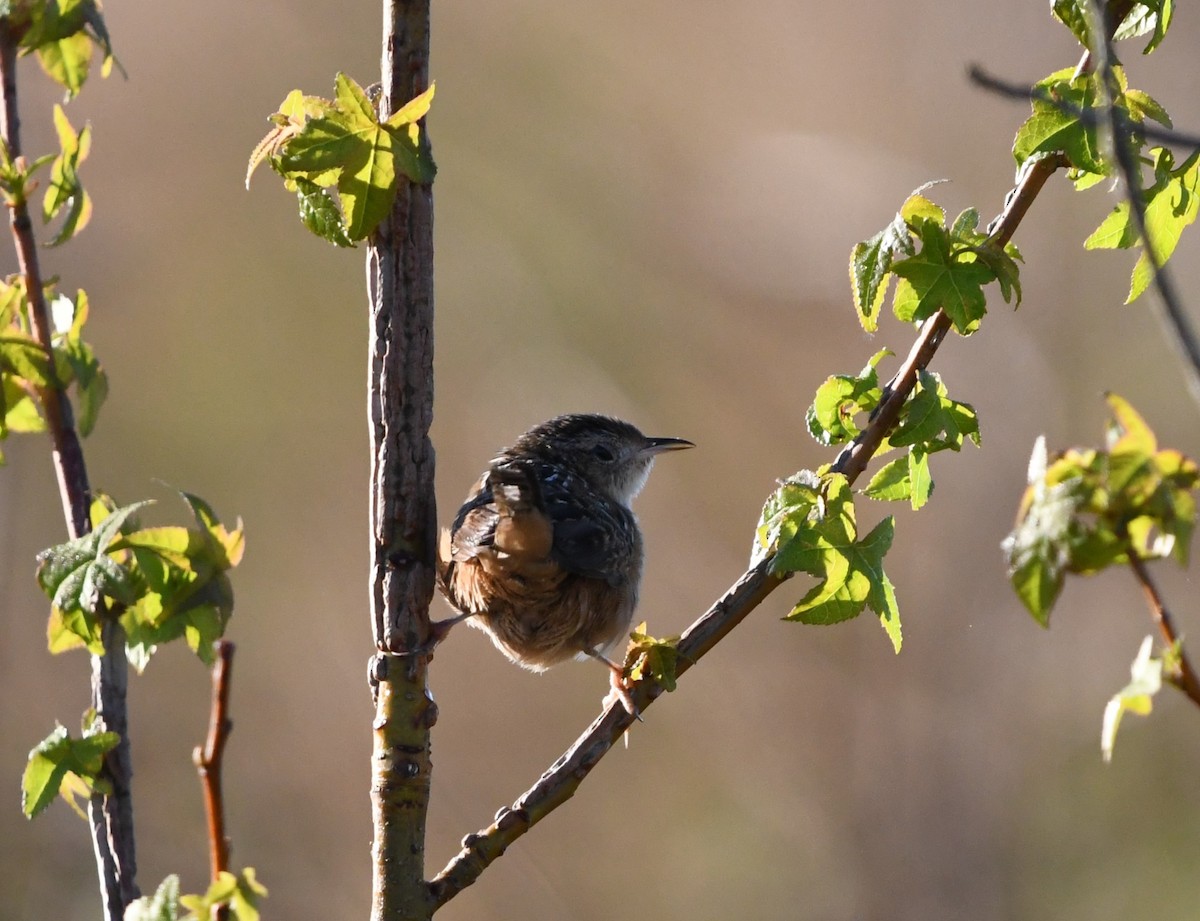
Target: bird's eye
{"x": 602, "y": 452}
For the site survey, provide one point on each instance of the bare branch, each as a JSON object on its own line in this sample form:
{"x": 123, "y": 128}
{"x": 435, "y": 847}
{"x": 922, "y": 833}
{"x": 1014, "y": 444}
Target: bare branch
{"x": 208, "y": 760}
{"x": 111, "y": 816}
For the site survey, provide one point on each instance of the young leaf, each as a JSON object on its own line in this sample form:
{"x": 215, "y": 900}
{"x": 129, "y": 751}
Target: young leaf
{"x": 648, "y": 657}
{"x": 933, "y": 421}
{"x": 56, "y": 758}
{"x": 1036, "y": 550}
{"x": 186, "y": 592}
{"x": 820, "y": 538}
{"x": 1058, "y": 125}
{"x": 785, "y": 511}
{"x": 241, "y": 893}
{"x": 870, "y": 268}
{"x": 1136, "y": 697}
{"x": 79, "y": 574}
{"x": 320, "y": 214}
{"x": 854, "y": 579}
{"x": 61, "y": 33}
{"x": 1171, "y": 204}
{"x": 831, "y": 417}
{"x": 904, "y": 478}
{"x": 940, "y": 280}
{"x": 343, "y": 145}
{"x": 162, "y": 906}
{"x": 65, "y": 191}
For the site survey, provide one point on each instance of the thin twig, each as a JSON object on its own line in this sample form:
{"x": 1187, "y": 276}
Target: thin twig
{"x": 111, "y": 815}
{"x": 1172, "y": 316}
{"x": 208, "y": 759}
{"x": 563, "y": 778}
{"x": 1186, "y": 680}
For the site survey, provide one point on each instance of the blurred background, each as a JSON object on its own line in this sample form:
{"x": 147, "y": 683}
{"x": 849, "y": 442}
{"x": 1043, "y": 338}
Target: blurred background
{"x": 645, "y": 210}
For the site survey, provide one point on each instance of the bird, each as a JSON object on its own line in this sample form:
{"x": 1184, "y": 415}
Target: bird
{"x": 545, "y": 555}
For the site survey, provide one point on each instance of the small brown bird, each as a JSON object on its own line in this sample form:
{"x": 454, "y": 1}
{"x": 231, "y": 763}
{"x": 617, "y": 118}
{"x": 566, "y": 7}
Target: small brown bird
{"x": 545, "y": 554}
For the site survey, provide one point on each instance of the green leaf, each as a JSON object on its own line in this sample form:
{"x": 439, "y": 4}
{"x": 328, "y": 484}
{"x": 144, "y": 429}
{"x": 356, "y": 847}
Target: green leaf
{"x": 368, "y": 192}
{"x": 65, "y": 191}
{"x": 1136, "y": 697}
{"x": 1057, "y": 123}
{"x": 854, "y": 580}
{"x": 796, "y": 498}
{"x": 656, "y": 659}
{"x": 933, "y": 421}
{"x": 56, "y": 758}
{"x": 905, "y": 478}
{"x": 413, "y": 110}
{"x": 185, "y": 590}
{"x": 23, "y": 357}
{"x": 1090, "y": 509}
{"x": 162, "y": 906}
{"x": 1036, "y": 550}
{"x": 79, "y": 574}
{"x": 1171, "y": 204}
{"x": 831, "y": 417}
{"x": 816, "y": 533}
{"x": 241, "y": 893}
{"x": 1152, "y": 16}
{"x": 892, "y": 482}
{"x": 322, "y": 149}
{"x": 343, "y": 145}
{"x": 62, "y": 33}
{"x": 320, "y": 213}
{"x": 870, "y": 268}
{"x": 939, "y": 280}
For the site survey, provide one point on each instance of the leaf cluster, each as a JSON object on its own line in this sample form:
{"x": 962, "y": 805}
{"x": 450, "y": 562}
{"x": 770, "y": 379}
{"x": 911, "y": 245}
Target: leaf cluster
{"x": 1089, "y": 509}
{"x": 808, "y": 525}
{"x": 239, "y": 893}
{"x": 652, "y": 658}
{"x": 936, "y": 267}
{"x": 1152, "y": 17}
{"x": 930, "y": 421}
{"x": 1069, "y": 119}
{"x": 322, "y": 146}
{"x": 63, "y": 35}
{"x": 161, "y": 583}
{"x": 65, "y": 195}
{"x": 25, "y": 369}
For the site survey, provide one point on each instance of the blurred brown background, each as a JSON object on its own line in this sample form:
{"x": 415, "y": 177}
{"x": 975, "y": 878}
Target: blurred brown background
{"x": 643, "y": 209}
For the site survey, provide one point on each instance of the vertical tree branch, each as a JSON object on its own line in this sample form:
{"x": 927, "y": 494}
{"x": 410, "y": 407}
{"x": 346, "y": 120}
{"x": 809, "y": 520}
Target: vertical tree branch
{"x": 111, "y": 816}
{"x": 208, "y": 760}
{"x": 403, "y": 511}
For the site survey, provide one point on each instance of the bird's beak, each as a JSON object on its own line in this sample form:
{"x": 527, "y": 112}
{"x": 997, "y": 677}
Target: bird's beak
{"x": 658, "y": 445}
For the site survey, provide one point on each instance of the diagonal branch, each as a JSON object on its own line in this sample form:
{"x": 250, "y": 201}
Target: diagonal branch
{"x": 562, "y": 779}
{"x": 111, "y": 815}
{"x": 1186, "y": 681}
